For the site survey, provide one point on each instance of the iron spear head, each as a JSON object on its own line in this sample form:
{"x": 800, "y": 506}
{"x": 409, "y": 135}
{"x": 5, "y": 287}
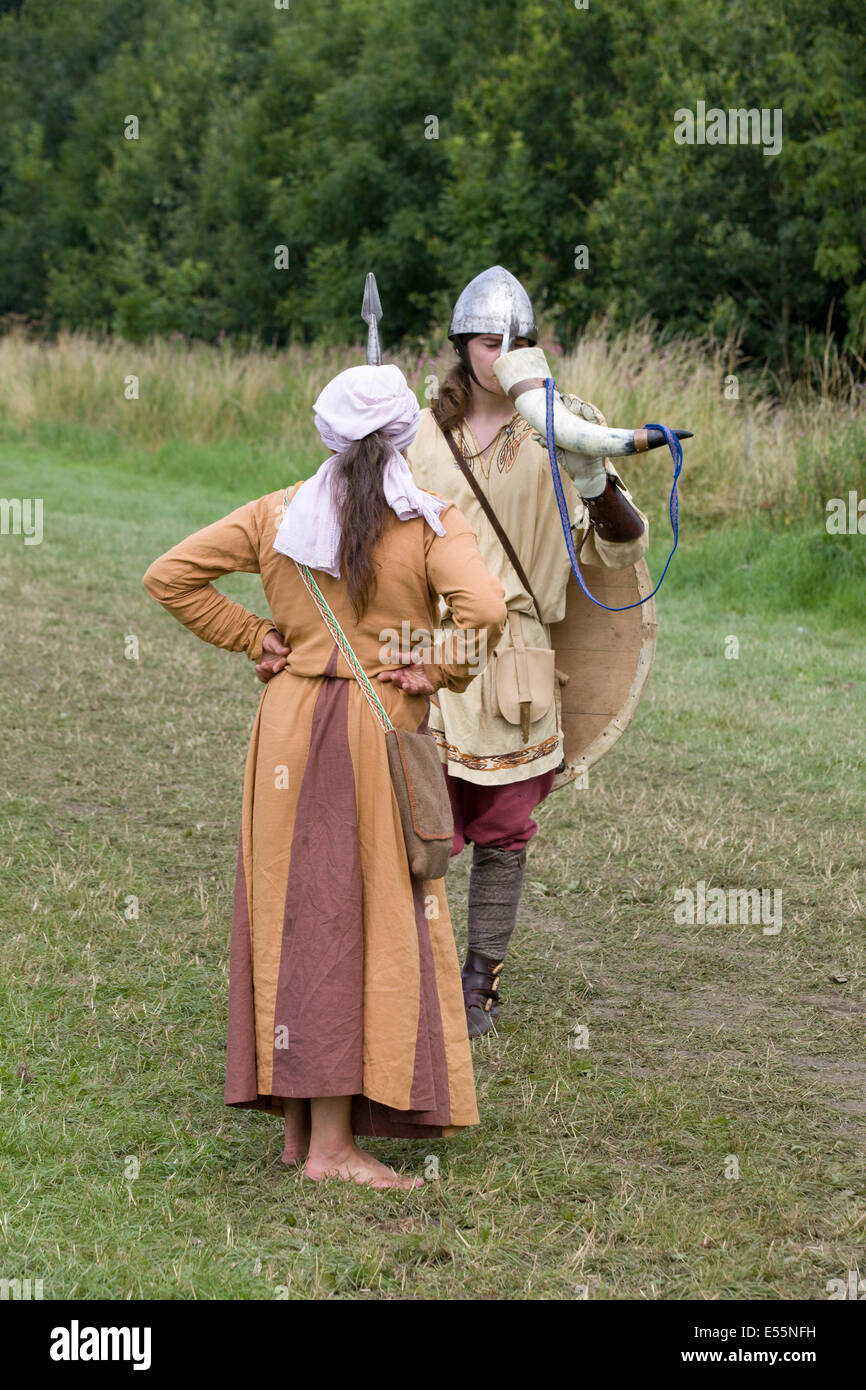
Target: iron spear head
{"x": 371, "y": 312}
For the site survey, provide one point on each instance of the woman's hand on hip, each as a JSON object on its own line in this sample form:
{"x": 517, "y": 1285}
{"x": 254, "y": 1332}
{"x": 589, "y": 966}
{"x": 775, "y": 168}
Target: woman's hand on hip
{"x": 273, "y": 656}
{"x": 411, "y": 678}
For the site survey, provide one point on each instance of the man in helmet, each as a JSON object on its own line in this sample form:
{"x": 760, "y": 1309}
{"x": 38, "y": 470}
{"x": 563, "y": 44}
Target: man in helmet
{"x": 498, "y": 770}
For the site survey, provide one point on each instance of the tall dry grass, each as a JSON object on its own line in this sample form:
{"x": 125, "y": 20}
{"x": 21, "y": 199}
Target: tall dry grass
{"x": 753, "y": 449}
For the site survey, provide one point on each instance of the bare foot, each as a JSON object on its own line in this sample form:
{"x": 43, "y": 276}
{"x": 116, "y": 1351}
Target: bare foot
{"x": 296, "y": 1148}
{"x": 357, "y": 1166}
{"x": 297, "y": 1113}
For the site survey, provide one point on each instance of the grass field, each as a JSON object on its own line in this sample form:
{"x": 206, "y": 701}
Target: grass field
{"x": 600, "y": 1168}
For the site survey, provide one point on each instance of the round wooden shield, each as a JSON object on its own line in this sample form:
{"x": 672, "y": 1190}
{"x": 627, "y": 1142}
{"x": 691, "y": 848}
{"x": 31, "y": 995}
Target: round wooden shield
{"x": 607, "y": 658}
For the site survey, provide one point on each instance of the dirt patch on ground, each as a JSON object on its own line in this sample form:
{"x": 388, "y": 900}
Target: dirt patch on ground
{"x": 832, "y": 1078}
{"x": 761, "y": 1012}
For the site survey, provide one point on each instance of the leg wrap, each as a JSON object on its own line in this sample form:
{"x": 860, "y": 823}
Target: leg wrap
{"x": 495, "y": 884}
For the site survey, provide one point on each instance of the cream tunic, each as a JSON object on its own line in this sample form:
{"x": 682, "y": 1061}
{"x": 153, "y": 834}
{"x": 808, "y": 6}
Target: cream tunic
{"x": 475, "y": 742}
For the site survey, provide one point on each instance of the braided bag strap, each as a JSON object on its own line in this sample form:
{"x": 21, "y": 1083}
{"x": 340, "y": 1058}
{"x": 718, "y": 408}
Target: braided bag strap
{"x": 343, "y": 643}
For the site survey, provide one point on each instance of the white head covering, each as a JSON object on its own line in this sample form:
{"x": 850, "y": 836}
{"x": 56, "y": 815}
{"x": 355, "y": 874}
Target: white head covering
{"x": 354, "y": 404}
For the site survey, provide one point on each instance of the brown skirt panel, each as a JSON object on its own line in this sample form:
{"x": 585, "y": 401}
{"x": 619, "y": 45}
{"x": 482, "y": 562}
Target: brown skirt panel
{"x": 318, "y": 1015}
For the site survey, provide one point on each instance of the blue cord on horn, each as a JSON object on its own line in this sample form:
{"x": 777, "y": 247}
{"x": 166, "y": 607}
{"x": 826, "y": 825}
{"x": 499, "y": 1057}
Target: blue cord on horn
{"x": 676, "y": 449}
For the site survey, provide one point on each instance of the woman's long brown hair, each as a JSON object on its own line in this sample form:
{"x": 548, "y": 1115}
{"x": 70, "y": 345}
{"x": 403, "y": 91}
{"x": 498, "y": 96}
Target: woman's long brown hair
{"x": 361, "y": 509}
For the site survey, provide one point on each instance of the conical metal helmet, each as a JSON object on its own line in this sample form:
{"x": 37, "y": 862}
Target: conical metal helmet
{"x": 494, "y": 302}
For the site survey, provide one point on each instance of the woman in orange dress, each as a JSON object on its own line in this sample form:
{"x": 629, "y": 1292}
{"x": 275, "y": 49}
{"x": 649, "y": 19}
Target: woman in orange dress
{"x": 345, "y": 1003}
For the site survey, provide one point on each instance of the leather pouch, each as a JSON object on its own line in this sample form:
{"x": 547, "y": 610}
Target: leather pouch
{"x": 524, "y": 679}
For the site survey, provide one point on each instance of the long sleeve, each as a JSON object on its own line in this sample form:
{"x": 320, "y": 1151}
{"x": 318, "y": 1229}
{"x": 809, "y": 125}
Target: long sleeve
{"x": 475, "y": 600}
{"x": 182, "y": 581}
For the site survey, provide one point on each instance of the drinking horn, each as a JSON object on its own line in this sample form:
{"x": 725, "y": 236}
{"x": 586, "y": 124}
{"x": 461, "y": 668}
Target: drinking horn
{"x": 522, "y": 374}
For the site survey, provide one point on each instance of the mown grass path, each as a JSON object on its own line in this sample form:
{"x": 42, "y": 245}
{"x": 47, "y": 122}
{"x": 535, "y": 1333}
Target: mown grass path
{"x": 124, "y": 1175}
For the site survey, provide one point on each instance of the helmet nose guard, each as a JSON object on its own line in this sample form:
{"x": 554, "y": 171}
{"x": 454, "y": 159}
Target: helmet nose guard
{"x": 494, "y": 302}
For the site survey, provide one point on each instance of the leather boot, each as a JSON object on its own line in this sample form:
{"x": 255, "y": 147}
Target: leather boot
{"x": 480, "y": 985}
{"x": 495, "y": 884}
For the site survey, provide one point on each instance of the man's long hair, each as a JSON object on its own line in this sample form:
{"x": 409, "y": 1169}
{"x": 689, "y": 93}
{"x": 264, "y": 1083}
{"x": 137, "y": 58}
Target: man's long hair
{"x": 361, "y": 509}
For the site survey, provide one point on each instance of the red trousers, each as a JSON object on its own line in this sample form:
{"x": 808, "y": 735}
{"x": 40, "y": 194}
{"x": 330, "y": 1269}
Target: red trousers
{"x": 495, "y": 815}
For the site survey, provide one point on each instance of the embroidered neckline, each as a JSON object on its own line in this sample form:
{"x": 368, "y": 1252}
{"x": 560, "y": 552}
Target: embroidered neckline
{"x": 503, "y": 454}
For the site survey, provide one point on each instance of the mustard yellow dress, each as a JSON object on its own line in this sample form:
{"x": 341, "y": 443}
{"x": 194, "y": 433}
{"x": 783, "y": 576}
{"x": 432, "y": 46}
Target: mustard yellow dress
{"x": 344, "y": 977}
